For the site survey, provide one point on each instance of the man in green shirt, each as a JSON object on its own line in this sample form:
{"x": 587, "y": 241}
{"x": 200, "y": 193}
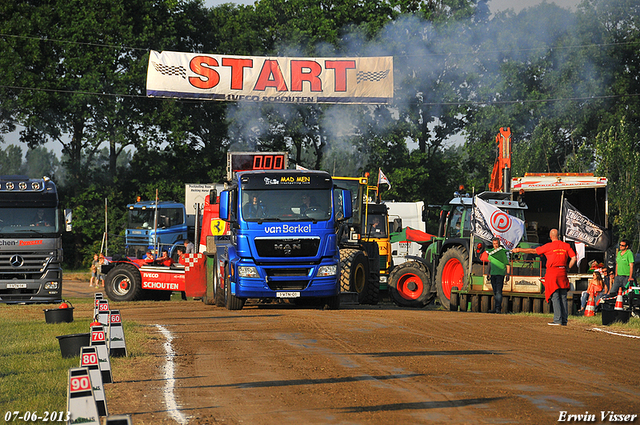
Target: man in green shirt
{"x": 624, "y": 267}
{"x": 498, "y": 268}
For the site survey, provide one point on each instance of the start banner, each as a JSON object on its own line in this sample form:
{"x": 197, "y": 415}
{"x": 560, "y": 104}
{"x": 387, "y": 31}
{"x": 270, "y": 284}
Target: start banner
{"x": 270, "y": 79}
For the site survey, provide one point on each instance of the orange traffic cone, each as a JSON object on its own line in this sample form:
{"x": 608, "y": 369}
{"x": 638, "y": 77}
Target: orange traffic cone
{"x": 591, "y": 307}
{"x": 618, "y": 305}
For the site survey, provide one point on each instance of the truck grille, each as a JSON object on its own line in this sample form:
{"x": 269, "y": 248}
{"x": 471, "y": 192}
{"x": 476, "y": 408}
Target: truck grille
{"x": 287, "y": 247}
{"x": 288, "y": 272}
{"x": 138, "y": 240}
{"x": 288, "y": 285}
{"x": 23, "y": 265}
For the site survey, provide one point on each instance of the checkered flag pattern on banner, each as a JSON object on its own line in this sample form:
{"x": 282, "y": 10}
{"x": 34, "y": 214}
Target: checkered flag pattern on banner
{"x": 190, "y": 260}
{"x": 170, "y": 70}
{"x": 371, "y": 76}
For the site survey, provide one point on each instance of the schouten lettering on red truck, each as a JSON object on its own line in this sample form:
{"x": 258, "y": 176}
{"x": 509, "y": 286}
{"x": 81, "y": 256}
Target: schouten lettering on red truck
{"x": 163, "y": 281}
{"x": 163, "y": 285}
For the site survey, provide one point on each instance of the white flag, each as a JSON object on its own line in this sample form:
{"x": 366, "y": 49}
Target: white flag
{"x": 300, "y": 167}
{"x": 382, "y": 178}
{"x": 502, "y": 225}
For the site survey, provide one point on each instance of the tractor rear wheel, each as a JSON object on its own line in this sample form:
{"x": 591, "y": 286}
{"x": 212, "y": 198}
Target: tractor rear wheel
{"x": 452, "y": 269}
{"x": 409, "y": 285}
{"x": 123, "y": 283}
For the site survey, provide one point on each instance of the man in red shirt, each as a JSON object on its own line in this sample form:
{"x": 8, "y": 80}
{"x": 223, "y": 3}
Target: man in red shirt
{"x": 556, "y": 283}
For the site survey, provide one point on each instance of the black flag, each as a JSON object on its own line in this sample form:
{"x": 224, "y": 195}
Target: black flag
{"x": 579, "y": 228}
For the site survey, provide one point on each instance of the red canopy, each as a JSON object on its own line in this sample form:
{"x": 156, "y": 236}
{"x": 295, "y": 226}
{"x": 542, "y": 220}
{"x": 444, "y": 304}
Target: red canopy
{"x": 411, "y": 235}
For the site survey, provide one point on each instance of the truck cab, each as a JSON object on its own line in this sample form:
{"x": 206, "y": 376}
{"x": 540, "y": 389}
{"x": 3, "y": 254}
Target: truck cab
{"x": 31, "y": 227}
{"x": 282, "y": 242}
{"x": 155, "y": 225}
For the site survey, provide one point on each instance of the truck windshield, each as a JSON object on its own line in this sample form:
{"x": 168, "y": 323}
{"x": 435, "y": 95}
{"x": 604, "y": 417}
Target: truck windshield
{"x": 286, "y": 205}
{"x": 25, "y": 220}
{"x": 376, "y": 227}
{"x": 144, "y": 218}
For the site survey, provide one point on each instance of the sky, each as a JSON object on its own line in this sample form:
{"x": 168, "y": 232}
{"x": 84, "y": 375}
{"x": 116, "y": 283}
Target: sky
{"x": 494, "y": 6}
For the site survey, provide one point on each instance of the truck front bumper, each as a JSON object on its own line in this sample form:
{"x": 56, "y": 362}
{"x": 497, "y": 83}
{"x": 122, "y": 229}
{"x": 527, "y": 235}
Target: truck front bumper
{"x": 286, "y": 281}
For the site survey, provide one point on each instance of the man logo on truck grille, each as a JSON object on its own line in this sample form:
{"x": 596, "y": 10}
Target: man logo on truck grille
{"x": 16, "y": 261}
{"x": 287, "y": 248}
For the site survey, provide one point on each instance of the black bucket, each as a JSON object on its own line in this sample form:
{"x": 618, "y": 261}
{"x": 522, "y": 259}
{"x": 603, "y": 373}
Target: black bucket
{"x": 612, "y": 316}
{"x": 58, "y": 315}
{"x": 71, "y": 345}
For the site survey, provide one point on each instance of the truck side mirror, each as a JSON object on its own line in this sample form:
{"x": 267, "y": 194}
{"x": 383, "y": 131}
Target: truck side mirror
{"x": 397, "y": 225}
{"x": 68, "y": 216}
{"x": 225, "y": 208}
{"x": 347, "y": 208}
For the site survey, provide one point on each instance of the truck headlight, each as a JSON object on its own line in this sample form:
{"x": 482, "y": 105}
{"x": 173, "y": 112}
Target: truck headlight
{"x": 51, "y": 285}
{"x": 248, "y": 271}
{"x": 328, "y": 270}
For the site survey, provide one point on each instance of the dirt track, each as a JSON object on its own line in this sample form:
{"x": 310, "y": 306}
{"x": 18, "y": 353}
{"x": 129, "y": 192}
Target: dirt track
{"x": 278, "y": 364}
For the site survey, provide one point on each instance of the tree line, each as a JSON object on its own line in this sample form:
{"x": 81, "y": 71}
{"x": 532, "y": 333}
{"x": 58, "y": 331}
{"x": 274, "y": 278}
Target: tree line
{"x": 565, "y": 82}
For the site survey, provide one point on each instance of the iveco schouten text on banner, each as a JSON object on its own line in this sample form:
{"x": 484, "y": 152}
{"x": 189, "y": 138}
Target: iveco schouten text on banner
{"x": 266, "y": 79}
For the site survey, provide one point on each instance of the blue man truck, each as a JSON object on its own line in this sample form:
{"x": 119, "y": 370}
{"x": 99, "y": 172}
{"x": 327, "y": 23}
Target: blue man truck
{"x": 164, "y": 225}
{"x": 282, "y": 242}
{"x": 155, "y": 225}
{"x": 31, "y": 227}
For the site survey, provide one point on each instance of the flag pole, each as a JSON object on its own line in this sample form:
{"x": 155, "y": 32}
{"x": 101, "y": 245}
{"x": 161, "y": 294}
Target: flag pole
{"x": 473, "y": 231}
{"x": 378, "y": 188}
{"x": 561, "y": 219}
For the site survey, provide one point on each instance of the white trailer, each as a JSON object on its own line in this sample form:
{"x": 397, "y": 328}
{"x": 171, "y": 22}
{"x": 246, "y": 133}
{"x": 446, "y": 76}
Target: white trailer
{"x": 411, "y": 215}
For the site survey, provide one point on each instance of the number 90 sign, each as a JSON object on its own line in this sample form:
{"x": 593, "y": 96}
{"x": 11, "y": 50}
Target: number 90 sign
{"x": 80, "y": 383}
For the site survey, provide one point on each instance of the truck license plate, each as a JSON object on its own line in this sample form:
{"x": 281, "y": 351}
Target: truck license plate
{"x": 288, "y": 294}
{"x": 16, "y": 285}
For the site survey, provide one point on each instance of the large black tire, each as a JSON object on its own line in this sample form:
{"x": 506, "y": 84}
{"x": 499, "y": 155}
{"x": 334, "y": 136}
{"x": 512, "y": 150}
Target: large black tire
{"x": 505, "y": 305}
{"x": 475, "y": 303}
{"x": 409, "y": 285}
{"x": 485, "y": 303}
{"x": 214, "y": 294}
{"x": 123, "y": 283}
{"x": 464, "y": 302}
{"x": 371, "y": 292}
{"x": 537, "y": 305}
{"x": 453, "y": 304}
{"x": 232, "y": 302}
{"x": 516, "y": 304}
{"x": 354, "y": 271}
{"x": 219, "y": 291}
{"x": 451, "y": 272}
{"x": 526, "y": 305}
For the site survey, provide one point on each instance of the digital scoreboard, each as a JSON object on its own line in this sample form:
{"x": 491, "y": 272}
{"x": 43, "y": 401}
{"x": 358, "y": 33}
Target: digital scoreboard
{"x": 247, "y": 161}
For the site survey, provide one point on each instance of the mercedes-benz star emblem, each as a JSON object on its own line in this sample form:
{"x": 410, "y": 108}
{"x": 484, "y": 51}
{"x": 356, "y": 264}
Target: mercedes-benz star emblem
{"x": 16, "y": 261}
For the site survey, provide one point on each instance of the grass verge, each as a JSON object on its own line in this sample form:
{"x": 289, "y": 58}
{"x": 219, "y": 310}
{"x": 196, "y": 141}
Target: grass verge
{"x": 33, "y": 373}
